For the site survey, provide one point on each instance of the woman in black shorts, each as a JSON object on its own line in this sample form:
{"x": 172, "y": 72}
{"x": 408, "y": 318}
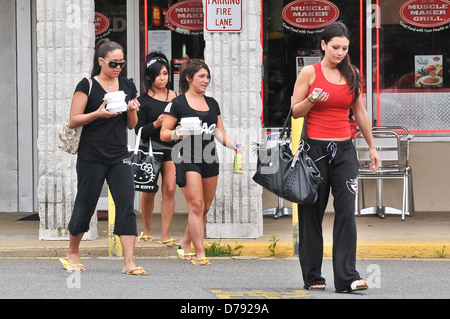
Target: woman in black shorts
{"x": 150, "y": 115}
{"x": 195, "y": 157}
{"x": 103, "y": 147}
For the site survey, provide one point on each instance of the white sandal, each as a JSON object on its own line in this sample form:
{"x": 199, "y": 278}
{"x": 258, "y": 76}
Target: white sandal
{"x": 358, "y": 285}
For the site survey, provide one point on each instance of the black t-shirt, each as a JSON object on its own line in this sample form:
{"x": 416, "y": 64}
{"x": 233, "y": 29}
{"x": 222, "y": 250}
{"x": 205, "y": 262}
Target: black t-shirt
{"x": 149, "y": 112}
{"x": 179, "y": 108}
{"x": 104, "y": 140}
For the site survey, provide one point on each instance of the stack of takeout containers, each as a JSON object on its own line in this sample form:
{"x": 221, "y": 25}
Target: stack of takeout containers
{"x": 190, "y": 126}
{"x": 115, "y": 102}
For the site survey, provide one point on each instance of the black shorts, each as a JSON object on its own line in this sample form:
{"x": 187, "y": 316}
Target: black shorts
{"x": 206, "y": 170}
{"x": 167, "y": 154}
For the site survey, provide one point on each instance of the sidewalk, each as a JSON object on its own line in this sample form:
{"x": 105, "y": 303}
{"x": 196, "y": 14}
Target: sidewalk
{"x": 419, "y": 236}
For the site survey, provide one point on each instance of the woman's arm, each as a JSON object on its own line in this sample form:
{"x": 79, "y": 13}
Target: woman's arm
{"x": 132, "y": 118}
{"x": 77, "y": 116}
{"x": 168, "y": 130}
{"x": 363, "y": 122}
{"x": 301, "y": 102}
{"x": 222, "y": 136}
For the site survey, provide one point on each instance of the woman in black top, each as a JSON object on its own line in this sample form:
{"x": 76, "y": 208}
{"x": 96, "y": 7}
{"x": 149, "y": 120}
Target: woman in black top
{"x": 196, "y": 161}
{"x": 150, "y": 117}
{"x": 102, "y": 149}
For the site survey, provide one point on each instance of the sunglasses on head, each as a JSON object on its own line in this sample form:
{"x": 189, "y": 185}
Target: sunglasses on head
{"x": 154, "y": 60}
{"x": 114, "y": 64}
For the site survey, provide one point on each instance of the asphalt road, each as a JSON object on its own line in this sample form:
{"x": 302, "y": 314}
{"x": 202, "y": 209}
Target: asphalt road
{"x": 230, "y": 285}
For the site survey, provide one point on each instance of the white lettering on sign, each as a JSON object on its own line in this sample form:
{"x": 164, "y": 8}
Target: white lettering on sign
{"x": 223, "y": 15}
{"x": 426, "y": 14}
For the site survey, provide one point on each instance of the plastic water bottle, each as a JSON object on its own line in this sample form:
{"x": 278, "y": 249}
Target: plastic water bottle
{"x": 238, "y": 160}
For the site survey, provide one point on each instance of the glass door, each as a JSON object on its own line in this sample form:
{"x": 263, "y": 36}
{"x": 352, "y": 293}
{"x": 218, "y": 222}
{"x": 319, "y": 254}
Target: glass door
{"x": 291, "y": 40}
{"x": 174, "y": 28}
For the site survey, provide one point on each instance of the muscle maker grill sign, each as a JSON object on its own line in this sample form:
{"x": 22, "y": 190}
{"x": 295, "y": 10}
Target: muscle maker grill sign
{"x": 187, "y": 15}
{"x": 426, "y": 14}
{"x": 304, "y": 14}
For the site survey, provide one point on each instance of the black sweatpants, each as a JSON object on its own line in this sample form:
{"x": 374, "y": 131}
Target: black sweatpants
{"x": 338, "y": 166}
{"x": 91, "y": 177}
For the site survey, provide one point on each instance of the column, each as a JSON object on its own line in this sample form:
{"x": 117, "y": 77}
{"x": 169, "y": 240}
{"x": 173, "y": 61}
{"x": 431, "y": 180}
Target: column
{"x": 65, "y": 45}
{"x": 235, "y": 60}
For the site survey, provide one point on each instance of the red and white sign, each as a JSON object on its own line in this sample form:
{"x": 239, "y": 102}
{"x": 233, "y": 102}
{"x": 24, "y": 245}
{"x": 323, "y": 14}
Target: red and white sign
{"x": 426, "y": 14}
{"x": 101, "y": 23}
{"x": 223, "y": 15}
{"x": 305, "y": 14}
{"x": 187, "y": 15}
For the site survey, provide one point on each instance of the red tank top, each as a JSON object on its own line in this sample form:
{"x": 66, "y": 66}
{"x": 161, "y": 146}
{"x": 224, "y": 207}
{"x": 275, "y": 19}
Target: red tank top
{"x": 329, "y": 119}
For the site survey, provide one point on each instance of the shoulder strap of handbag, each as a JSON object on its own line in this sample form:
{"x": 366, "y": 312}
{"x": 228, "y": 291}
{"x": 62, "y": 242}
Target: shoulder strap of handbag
{"x": 286, "y": 122}
{"x": 90, "y": 86}
{"x": 138, "y": 140}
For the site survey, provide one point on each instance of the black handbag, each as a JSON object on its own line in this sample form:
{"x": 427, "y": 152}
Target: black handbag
{"x": 146, "y": 167}
{"x": 293, "y": 177}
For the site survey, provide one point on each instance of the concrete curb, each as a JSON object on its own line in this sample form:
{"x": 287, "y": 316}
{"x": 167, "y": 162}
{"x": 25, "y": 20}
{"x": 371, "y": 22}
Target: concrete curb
{"x": 251, "y": 250}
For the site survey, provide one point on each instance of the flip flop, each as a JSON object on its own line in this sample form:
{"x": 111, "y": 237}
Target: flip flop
{"x": 201, "y": 262}
{"x": 144, "y": 238}
{"x": 169, "y": 243}
{"x": 132, "y": 271}
{"x": 183, "y": 255}
{"x": 358, "y": 285}
{"x": 317, "y": 287}
{"x": 72, "y": 267}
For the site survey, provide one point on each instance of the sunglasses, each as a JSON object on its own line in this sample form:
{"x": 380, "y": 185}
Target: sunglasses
{"x": 114, "y": 64}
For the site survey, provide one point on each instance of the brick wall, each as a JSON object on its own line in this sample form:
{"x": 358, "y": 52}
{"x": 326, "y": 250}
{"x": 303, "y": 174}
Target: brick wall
{"x": 235, "y": 61}
{"x": 65, "y": 41}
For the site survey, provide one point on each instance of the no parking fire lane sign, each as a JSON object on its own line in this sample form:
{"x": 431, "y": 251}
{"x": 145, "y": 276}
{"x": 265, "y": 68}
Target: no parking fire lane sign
{"x": 223, "y": 15}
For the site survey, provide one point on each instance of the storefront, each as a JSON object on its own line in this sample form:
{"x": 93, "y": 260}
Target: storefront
{"x": 400, "y": 48}
{"x": 400, "y": 44}
{"x": 255, "y": 50}
{"x": 402, "y": 52}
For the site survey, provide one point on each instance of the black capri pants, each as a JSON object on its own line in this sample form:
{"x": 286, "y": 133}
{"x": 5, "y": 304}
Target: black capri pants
{"x": 338, "y": 165}
{"x": 91, "y": 177}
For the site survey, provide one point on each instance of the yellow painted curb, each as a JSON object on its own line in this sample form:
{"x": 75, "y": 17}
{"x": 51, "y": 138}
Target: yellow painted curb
{"x": 397, "y": 249}
{"x": 262, "y": 250}
{"x": 364, "y": 250}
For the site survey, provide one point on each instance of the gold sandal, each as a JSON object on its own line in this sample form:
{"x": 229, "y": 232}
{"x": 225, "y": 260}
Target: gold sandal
{"x": 169, "y": 243}
{"x": 72, "y": 267}
{"x": 201, "y": 262}
{"x": 144, "y": 238}
{"x": 132, "y": 271}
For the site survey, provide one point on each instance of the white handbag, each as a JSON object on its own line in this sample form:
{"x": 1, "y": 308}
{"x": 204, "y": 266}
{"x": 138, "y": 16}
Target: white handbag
{"x": 68, "y": 137}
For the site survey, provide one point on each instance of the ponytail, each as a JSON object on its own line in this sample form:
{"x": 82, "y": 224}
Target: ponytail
{"x": 102, "y": 48}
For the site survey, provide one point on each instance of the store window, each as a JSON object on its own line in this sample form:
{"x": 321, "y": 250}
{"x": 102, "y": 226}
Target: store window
{"x": 111, "y": 22}
{"x": 174, "y": 28}
{"x": 406, "y": 42}
{"x": 291, "y": 40}
{"x": 411, "y": 59}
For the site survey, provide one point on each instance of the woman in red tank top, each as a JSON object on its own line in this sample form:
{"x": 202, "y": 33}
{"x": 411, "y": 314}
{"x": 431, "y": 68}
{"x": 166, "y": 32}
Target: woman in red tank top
{"x": 324, "y": 93}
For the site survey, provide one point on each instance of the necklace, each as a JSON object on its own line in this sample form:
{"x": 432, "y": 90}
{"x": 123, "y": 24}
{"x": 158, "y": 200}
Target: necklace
{"x": 109, "y": 85}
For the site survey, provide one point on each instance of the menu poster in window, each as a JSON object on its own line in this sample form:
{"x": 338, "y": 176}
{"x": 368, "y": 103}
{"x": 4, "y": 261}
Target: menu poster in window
{"x": 161, "y": 41}
{"x": 303, "y": 61}
{"x": 429, "y": 71}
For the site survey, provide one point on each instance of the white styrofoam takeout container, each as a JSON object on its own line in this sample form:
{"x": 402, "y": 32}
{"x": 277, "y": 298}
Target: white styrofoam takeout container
{"x": 116, "y": 107}
{"x": 117, "y": 96}
{"x": 190, "y": 122}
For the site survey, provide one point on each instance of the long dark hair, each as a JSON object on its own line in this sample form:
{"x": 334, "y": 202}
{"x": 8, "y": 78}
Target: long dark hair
{"x": 154, "y": 63}
{"x": 188, "y": 69}
{"x": 348, "y": 70}
{"x": 102, "y": 48}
